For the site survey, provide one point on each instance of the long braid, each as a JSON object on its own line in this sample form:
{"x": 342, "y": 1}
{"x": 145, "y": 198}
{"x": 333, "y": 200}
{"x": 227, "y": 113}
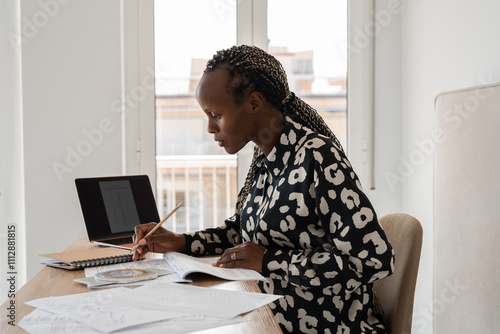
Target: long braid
{"x": 250, "y": 67}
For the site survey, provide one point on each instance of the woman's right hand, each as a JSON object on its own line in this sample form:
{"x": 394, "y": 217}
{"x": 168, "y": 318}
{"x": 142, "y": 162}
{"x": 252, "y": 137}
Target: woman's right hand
{"x": 161, "y": 241}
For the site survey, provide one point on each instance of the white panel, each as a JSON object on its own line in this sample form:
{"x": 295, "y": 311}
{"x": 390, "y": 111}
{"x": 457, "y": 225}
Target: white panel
{"x": 466, "y": 211}
{"x": 251, "y": 23}
{"x": 146, "y": 70}
{"x": 139, "y": 87}
{"x": 259, "y": 24}
{"x": 360, "y": 90}
{"x": 387, "y": 104}
{"x": 244, "y": 13}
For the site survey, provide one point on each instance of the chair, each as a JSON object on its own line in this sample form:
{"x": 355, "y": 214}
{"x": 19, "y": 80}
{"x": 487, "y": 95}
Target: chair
{"x": 396, "y": 292}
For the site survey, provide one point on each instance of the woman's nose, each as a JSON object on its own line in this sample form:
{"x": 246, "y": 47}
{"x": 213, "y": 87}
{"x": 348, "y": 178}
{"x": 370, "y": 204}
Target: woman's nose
{"x": 212, "y": 127}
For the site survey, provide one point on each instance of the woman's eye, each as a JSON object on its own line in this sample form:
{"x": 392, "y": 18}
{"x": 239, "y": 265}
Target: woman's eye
{"x": 214, "y": 116}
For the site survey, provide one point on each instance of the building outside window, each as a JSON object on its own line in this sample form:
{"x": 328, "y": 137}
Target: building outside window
{"x": 190, "y": 166}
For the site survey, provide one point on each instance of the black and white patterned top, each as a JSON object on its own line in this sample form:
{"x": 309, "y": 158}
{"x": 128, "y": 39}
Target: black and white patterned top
{"x": 325, "y": 246}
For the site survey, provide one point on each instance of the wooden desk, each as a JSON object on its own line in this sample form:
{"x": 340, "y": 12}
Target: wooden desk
{"x": 58, "y": 282}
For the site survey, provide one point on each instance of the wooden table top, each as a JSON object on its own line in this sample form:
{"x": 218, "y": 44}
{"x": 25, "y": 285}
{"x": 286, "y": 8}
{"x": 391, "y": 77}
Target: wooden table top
{"x": 58, "y": 282}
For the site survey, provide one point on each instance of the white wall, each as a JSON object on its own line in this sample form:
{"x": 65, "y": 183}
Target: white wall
{"x": 77, "y": 100}
{"x": 70, "y": 78}
{"x": 445, "y": 45}
{"x": 11, "y": 161}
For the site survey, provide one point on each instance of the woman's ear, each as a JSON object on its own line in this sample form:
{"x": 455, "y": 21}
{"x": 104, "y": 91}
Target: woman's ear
{"x": 256, "y": 100}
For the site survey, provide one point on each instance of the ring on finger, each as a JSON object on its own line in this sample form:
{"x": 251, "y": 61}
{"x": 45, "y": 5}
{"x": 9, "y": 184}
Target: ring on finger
{"x": 233, "y": 256}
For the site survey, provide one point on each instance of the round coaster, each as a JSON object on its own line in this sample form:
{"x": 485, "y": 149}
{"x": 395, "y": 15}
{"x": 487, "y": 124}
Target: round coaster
{"x": 126, "y": 275}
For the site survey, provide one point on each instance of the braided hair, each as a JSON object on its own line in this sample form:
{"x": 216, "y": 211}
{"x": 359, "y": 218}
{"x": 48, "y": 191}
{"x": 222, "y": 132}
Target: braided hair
{"x": 250, "y": 67}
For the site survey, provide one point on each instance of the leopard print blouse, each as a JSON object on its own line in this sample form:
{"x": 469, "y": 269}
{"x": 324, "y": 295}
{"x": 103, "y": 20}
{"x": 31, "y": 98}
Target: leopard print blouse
{"x": 325, "y": 247}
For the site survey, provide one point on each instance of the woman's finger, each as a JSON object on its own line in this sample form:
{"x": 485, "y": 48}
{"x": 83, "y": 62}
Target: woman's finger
{"x": 229, "y": 256}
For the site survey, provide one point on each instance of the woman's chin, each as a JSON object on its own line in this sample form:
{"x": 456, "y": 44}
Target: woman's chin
{"x": 230, "y": 151}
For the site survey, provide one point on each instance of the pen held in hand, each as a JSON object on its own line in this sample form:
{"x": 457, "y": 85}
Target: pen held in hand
{"x": 157, "y": 226}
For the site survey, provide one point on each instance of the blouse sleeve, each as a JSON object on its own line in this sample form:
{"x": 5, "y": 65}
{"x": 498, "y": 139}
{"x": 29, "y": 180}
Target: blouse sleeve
{"x": 213, "y": 241}
{"x": 353, "y": 250}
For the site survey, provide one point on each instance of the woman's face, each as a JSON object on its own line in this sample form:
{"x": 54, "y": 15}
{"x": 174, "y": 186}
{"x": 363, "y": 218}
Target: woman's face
{"x": 231, "y": 124}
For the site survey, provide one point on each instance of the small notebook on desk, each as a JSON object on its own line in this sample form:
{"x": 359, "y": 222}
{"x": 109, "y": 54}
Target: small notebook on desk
{"x": 87, "y": 258}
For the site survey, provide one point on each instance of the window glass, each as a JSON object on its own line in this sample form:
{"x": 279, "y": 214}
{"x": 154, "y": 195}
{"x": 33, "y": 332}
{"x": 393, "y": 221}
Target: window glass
{"x": 309, "y": 39}
{"x": 191, "y": 167}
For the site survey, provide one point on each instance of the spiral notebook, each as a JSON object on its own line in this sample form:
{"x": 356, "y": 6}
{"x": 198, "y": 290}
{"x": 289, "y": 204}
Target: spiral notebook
{"x": 93, "y": 257}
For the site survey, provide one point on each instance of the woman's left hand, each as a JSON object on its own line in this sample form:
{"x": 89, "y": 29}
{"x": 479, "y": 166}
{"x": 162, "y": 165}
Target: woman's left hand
{"x": 247, "y": 255}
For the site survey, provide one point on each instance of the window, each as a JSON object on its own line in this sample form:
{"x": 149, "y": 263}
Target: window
{"x": 312, "y": 55}
{"x": 190, "y": 166}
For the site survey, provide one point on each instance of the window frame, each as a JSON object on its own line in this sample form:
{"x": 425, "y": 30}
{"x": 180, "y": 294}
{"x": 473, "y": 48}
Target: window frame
{"x": 361, "y": 95}
{"x": 139, "y": 137}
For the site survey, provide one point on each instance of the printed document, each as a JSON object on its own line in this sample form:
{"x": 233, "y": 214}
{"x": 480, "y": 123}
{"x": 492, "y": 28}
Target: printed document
{"x": 42, "y": 322}
{"x": 190, "y": 299}
{"x": 97, "y": 310}
{"x": 184, "y": 265}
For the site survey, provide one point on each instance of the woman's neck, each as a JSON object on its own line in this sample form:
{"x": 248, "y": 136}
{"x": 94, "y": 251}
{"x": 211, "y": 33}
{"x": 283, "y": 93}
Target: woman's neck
{"x": 269, "y": 130}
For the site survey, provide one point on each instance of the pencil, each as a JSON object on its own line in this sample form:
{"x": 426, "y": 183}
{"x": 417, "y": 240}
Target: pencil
{"x": 157, "y": 225}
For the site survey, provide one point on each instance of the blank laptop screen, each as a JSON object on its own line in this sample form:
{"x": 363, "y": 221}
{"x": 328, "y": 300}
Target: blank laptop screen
{"x": 120, "y": 206}
{"x": 113, "y": 206}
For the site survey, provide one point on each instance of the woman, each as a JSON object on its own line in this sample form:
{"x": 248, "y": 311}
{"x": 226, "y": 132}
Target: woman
{"x": 301, "y": 218}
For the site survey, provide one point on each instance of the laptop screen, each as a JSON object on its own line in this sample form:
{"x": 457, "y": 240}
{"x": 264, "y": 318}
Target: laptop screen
{"x": 113, "y": 206}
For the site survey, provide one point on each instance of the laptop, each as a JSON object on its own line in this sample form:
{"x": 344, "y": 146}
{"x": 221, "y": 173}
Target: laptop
{"x": 112, "y": 206}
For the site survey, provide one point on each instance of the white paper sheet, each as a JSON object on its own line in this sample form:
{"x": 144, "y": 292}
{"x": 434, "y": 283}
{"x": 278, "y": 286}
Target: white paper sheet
{"x": 42, "y": 322}
{"x": 190, "y": 299}
{"x": 98, "y": 311}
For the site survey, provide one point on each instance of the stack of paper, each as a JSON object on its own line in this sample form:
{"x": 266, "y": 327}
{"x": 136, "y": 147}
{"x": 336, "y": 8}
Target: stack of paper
{"x": 151, "y": 308}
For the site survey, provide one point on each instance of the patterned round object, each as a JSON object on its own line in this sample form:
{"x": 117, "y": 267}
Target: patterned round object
{"x": 126, "y": 275}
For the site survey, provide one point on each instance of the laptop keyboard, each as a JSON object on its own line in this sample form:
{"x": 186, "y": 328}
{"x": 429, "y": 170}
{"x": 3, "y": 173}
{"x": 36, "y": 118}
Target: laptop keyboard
{"x": 120, "y": 241}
